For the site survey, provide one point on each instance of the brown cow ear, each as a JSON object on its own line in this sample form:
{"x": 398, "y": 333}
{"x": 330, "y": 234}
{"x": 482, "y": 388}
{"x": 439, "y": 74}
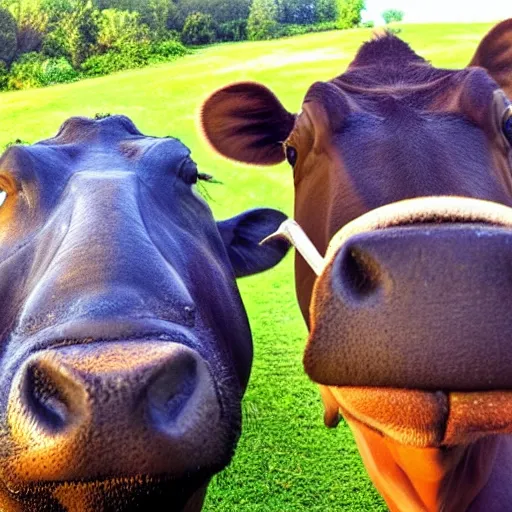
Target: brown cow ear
{"x": 494, "y": 53}
{"x": 246, "y": 122}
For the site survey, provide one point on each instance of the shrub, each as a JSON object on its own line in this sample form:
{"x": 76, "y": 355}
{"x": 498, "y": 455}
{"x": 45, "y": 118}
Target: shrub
{"x": 235, "y": 30}
{"x": 391, "y": 15}
{"x": 262, "y": 22}
{"x": 132, "y": 56}
{"x": 4, "y": 75}
{"x": 367, "y": 24}
{"x": 199, "y": 28}
{"x": 296, "y": 30}
{"x": 33, "y": 70}
{"x": 56, "y": 44}
{"x": 32, "y": 24}
{"x": 8, "y": 40}
{"x": 349, "y": 13}
{"x": 297, "y": 12}
{"x": 117, "y": 28}
{"x": 326, "y": 10}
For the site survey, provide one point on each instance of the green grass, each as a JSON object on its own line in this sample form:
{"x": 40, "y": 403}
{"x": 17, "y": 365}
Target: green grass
{"x": 286, "y": 460}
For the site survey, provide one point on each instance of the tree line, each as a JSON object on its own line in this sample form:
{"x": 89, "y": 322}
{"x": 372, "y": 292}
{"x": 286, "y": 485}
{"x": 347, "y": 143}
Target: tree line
{"x": 53, "y": 41}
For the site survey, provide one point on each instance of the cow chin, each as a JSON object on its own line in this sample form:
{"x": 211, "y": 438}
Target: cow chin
{"x": 117, "y": 494}
{"x": 425, "y": 419}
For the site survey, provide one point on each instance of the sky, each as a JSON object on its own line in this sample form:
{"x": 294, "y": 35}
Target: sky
{"x": 441, "y": 10}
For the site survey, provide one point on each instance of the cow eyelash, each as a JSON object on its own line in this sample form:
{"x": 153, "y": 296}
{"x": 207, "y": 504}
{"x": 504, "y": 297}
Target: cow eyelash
{"x": 3, "y": 197}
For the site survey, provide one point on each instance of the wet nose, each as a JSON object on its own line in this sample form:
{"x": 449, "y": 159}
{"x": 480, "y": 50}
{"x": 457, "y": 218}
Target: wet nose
{"x": 113, "y": 409}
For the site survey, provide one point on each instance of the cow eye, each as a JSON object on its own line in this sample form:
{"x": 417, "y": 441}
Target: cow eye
{"x": 188, "y": 172}
{"x": 3, "y": 197}
{"x": 507, "y": 125}
{"x": 291, "y": 155}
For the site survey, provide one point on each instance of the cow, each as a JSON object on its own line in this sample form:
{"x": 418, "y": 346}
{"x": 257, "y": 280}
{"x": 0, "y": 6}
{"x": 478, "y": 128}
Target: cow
{"x": 402, "y": 176}
{"x": 126, "y": 348}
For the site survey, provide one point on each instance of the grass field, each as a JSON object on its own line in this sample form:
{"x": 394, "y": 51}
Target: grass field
{"x": 286, "y": 459}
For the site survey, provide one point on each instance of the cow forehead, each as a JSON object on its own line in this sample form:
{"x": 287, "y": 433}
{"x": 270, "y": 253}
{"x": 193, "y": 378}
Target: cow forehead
{"x": 388, "y": 68}
{"x": 105, "y": 144}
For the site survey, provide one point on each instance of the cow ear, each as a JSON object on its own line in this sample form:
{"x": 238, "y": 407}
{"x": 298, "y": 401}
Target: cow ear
{"x": 242, "y": 236}
{"x": 246, "y": 122}
{"x": 494, "y": 53}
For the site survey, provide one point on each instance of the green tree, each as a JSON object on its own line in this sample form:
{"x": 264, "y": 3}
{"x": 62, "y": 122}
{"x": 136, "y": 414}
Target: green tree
{"x": 8, "y": 39}
{"x": 199, "y": 28}
{"x": 301, "y": 12}
{"x": 390, "y": 15}
{"x": 349, "y": 13}
{"x": 262, "y": 22}
{"x": 116, "y": 28}
{"x": 326, "y": 10}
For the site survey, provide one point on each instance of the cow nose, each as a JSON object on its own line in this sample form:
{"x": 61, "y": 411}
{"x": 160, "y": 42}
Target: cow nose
{"x": 415, "y": 295}
{"x": 111, "y": 410}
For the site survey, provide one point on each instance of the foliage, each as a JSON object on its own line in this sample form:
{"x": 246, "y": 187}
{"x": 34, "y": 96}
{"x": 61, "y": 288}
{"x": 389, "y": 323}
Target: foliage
{"x": 199, "y": 28}
{"x": 8, "y": 40}
{"x": 31, "y": 22}
{"x": 221, "y": 11}
{"x": 390, "y": 15}
{"x": 4, "y": 75}
{"x": 76, "y": 34}
{"x": 296, "y": 11}
{"x": 296, "y": 30}
{"x": 33, "y": 70}
{"x": 117, "y": 28}
{"x": 262, "y": 22}
{"x": 131, "y": 56}
{"x": 235, "y": 30}
{"x": 367, "y": 24}
{"x": 349, "y": 13}
{"x": 326, "y": 10}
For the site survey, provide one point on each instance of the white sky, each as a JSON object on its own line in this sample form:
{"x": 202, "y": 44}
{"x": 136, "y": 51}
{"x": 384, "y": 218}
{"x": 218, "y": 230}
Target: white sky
{"x": 439, "y": 10}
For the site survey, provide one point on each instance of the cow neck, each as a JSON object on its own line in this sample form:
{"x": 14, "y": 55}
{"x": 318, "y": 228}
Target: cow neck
{"x": 426, "y": 479}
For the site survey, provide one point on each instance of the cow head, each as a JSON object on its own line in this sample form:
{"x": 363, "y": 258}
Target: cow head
{"x": 125, "y": 345}
{"x": 409, "y": 320}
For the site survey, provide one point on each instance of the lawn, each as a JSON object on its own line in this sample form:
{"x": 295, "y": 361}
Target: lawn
{"x": 286, "y": 460}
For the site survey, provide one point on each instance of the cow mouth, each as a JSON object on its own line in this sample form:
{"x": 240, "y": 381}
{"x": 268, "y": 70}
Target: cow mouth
{"x": 425, "y": 419}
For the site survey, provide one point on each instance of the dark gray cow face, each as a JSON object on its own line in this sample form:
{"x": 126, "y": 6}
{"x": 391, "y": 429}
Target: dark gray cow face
{"x": 125, "y": 348}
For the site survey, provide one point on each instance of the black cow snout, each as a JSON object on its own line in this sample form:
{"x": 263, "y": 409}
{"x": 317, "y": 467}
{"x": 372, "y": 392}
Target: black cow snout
{"x": 113, "y": 409}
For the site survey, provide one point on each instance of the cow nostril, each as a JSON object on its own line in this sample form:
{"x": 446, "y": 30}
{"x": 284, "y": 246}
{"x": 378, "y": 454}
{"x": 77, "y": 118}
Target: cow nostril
{"x": 170, "y": 391}
{"x": 356, "y": 273}
{"x": 47, "y": 392}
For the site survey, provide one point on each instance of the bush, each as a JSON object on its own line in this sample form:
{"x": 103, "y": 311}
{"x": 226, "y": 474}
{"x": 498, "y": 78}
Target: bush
{"x": 32, "y": 23}
{"x": 4, "y": 76}
{"x": 56, "y": 44}
{"x": 33, "y": 70}
{"x": 235, "y": 30}
{"x": 349, "y": 13}
{"x": 8, "y": 39}
{"x": 296, "y": 30}
{"x": 199, "y": 28}
{"x": 391, "y": 15}
{"x": 262, "y": 22}
{"x": 367, "y": 24}
{"x": 326, "y": 10}
{"x": 132, "y": 56}
{"x": 116, "y": 28}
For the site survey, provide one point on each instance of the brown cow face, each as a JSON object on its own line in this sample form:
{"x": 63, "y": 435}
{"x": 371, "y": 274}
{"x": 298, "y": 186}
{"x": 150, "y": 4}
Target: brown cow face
{"x": 409, "y": 321}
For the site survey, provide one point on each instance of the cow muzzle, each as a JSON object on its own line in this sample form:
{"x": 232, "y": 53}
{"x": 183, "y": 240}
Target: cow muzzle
{"x": 98, "y": 411}
{"x": 410, "y": 319}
